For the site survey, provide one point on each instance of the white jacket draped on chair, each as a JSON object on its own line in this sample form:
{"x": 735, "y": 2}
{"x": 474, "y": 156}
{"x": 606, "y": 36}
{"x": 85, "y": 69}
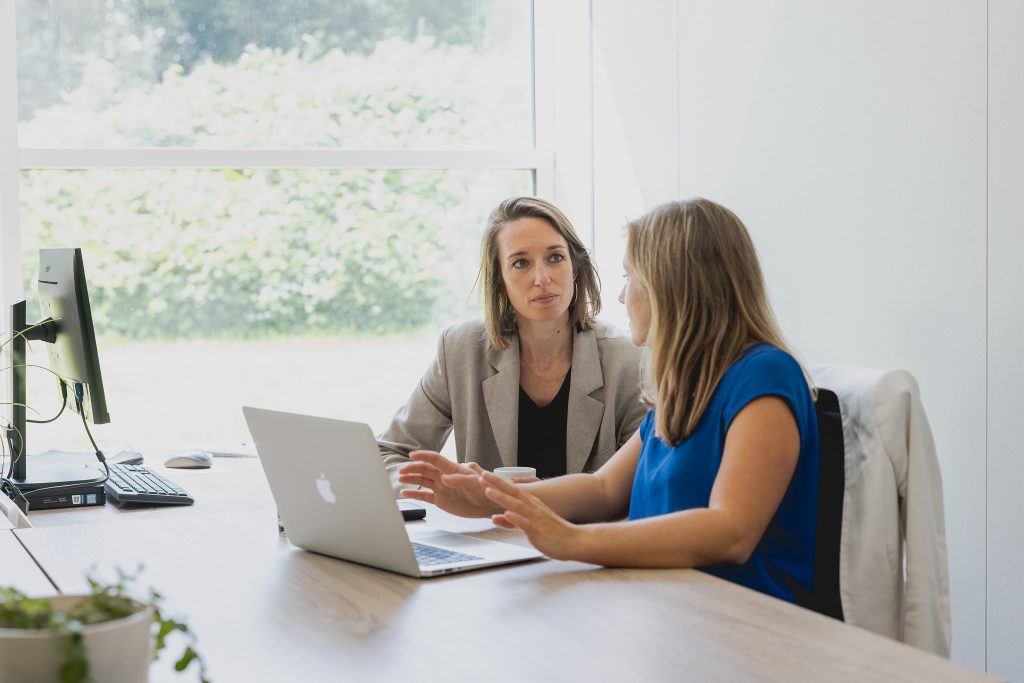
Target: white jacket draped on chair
{"x": 894, "y": 573}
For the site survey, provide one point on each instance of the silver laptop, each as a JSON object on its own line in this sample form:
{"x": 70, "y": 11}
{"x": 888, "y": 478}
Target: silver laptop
{"x": 334, "y": 498}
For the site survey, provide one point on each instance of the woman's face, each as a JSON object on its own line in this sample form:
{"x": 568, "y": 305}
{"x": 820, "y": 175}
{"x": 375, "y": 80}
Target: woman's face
{"x": 536, "y": 269}
{"x": 638, "y": 306}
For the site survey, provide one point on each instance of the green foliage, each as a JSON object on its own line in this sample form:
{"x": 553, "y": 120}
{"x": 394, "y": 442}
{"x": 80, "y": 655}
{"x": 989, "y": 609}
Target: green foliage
{"x": 56, "y": 40}
{"x": 403, "y": 95}
{"x": 197, "y": 30}
{"x": 105, "y": 602}
{"x": 18, "y": 611}
{"x": 252, "y": 253}
{"x": 244, "y": 253}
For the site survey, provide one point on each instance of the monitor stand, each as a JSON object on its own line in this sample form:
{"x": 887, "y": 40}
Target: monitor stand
{"x": 75, "y": 473}
{"x": 53, "y": 468}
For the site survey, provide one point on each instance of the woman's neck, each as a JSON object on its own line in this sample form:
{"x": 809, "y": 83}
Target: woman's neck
{"x": 546, "y": 344}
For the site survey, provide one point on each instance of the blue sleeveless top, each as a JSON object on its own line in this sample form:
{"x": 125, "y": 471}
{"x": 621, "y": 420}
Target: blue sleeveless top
{"x": 672, "y": 479}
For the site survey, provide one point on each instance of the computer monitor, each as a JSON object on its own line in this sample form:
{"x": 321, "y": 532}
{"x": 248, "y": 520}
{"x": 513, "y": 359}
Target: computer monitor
{"x": 67, "y": 327}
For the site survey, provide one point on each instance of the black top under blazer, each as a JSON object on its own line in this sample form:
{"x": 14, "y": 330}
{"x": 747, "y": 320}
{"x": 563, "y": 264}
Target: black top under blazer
{"x": 473, "y": 389}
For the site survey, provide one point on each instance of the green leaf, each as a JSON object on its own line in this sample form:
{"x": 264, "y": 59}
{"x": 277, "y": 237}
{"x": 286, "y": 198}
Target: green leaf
{"x": 186, "y": 659}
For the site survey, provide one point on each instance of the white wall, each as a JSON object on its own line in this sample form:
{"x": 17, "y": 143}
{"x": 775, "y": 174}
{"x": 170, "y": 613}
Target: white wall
{"x": 852, "y": 140}
{"x": 635, "y": 126}
{"x": 1006, "y": 338}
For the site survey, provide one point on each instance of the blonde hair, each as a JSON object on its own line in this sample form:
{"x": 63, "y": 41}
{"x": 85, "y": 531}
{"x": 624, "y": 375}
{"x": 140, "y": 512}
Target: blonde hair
{"x": 499, "y": 316}
{"x": 708, "y": 303}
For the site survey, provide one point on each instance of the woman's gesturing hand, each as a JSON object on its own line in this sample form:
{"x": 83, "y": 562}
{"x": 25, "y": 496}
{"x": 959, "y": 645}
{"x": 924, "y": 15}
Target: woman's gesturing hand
{"x": 450, "y": 486}
{"x": 549, "y": 533}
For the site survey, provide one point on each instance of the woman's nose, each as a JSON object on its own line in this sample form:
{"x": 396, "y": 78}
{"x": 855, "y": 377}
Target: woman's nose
{"x": 542, "y": 276}
{"x": 622, "y": 295}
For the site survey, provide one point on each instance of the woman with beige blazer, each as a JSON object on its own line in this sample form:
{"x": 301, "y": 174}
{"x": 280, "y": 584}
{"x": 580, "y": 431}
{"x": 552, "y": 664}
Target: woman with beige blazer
{"x": 539, "y": 381}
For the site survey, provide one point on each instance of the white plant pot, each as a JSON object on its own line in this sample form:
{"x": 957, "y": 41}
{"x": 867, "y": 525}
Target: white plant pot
{"x": 118, "y": 650}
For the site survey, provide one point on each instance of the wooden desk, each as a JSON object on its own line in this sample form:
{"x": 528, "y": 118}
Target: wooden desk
{"x": 231, "y": 485}
{"x": 19, "y": 570}
{"x": 264, "y": 611}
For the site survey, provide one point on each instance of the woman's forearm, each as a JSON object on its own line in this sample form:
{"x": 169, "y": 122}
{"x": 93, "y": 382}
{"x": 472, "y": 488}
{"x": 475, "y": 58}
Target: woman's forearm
{"x": 579, "y": 498}
{"x": 691, "y": 538}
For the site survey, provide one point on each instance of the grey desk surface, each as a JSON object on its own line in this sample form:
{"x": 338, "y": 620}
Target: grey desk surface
{"x": 265, "y": 610}
{"x": 18, "y": 569}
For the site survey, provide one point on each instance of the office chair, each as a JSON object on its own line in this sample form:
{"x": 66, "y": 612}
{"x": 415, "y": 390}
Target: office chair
{"x": 825, "y": 596}
{"x": 893, "y": 571}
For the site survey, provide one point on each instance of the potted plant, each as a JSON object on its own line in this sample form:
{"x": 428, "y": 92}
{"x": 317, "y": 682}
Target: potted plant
{"x": 105, "y": 635}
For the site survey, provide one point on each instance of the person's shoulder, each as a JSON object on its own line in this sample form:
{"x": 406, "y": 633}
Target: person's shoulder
{"x": 617, "y": 351}
{"x": 769, "y": 363}
{"x": 613, "y": 337}
{"x": 469, "y": 333}
{"x": 769, "y": 354}
{"x": 471, "y": 327}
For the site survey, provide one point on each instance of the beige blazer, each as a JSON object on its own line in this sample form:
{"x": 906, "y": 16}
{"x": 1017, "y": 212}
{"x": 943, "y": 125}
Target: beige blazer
{"x": 473, "y": 389}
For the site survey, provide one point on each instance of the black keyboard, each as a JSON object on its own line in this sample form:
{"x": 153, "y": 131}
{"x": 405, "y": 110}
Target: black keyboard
{"x": 138, "y": 485}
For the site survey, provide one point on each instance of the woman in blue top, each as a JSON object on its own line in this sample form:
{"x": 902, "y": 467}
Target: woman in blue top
{"x": 723, "y": 472}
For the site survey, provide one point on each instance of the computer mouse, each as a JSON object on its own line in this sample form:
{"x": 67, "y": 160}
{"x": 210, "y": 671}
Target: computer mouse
{"x": 190, "y": 460}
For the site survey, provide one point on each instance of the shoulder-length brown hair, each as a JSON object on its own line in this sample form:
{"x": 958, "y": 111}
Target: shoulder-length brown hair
{"x": 499, "y": 316}
{"x": 708, "y": 303}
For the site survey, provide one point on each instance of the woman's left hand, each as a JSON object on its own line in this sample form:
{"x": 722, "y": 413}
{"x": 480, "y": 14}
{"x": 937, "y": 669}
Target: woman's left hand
{"x": 549, "y": 533}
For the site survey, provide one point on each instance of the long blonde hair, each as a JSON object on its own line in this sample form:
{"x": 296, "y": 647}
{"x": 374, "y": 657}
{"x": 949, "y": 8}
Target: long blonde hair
{"x": 708, "y": 303}
{"x": 499, "y": 316}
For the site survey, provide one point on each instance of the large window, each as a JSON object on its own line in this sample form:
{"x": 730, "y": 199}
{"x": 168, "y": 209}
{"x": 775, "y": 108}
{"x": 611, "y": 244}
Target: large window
{"x": 279, "y": 202}
{"x": 335, "y": 74}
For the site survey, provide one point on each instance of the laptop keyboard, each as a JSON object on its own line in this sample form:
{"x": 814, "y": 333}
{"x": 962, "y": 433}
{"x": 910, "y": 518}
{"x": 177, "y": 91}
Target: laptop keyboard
{"x": 428, "y": 555}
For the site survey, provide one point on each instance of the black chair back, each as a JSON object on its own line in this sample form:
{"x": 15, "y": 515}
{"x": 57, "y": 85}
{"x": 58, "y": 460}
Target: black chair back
{"x": 831, "y": 484}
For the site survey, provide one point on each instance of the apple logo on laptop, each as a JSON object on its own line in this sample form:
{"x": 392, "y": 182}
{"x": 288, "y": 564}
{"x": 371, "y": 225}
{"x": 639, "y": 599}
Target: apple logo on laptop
{"x": 324, "y": 487}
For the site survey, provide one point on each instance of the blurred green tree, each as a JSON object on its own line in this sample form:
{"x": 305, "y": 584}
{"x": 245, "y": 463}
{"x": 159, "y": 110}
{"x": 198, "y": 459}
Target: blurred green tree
{"x": 150, "y": 34}
{"x": 254, "y": 253}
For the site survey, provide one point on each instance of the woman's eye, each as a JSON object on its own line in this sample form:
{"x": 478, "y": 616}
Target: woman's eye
{"x": 519, "y": 263}
{"x": 557, "y": 258}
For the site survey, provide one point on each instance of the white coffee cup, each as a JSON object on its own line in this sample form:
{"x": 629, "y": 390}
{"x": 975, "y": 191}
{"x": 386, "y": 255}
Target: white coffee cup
{"x": 510, "y": 473}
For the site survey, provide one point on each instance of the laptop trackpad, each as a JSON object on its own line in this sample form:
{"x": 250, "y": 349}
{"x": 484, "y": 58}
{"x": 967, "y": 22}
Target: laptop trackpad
{"x": 446, "y": 539}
